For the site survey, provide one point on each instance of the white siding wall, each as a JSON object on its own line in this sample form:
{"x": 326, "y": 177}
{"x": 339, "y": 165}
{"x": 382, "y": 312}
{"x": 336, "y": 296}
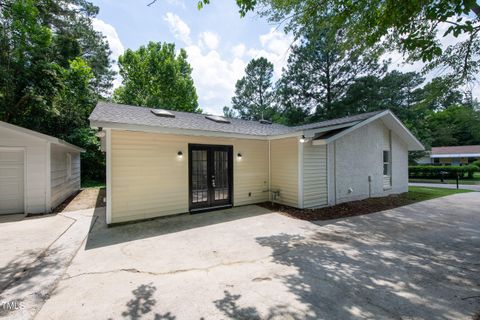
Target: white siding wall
{"x": 314, "y": 175}
{"x": 359, "y": 155}
{"x": 62, "y": 185}
{"x": 284, "y": 170}
{"x": 149, "y": 180}
{"x": 36, "y": 167}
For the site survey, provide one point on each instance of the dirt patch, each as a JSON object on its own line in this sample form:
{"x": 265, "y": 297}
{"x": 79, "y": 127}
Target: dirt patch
{"x": 83, "y": 199}
{"x": 348, "y": 209}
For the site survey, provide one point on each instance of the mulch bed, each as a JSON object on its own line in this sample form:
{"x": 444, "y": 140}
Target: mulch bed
{"x": 348, "y": 209}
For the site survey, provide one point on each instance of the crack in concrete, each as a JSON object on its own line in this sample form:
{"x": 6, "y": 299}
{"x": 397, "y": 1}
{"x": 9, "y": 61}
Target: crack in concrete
{"x": 205, "y": 269}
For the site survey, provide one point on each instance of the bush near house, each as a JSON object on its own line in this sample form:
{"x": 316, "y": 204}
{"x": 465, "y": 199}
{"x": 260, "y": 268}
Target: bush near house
{"x": 435, "y": 172}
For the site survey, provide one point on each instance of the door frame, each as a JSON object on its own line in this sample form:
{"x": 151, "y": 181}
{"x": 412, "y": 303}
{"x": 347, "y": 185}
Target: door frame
{"x": 210, "y": 148}
{"x": 25, "y": 194}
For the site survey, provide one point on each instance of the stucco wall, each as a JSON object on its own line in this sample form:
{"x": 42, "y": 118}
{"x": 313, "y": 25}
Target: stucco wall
{"x": 284, "y": 170}
{"x": 36, "y": 167}
{"x": 62, "y": 186}
{"x": 314, "y": 175}
{"x": 355, "y": 156}
{"x": 149, "y": 180}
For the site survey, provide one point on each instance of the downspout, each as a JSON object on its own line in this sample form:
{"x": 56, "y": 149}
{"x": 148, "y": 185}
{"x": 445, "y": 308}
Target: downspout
{"x": 269, "y": 173}
{"x": 335, "y": 171}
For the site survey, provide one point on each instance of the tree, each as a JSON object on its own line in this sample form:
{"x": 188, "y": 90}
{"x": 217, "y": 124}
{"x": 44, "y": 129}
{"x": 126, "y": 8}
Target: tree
{"x": 155, "y": 76}
{"x": 456, "y": 125}
{"x": 254, "y": 93}
{"x": 319, "y": 73}
{"x": 53, "y": 66}
{"x": 409, "y": 26}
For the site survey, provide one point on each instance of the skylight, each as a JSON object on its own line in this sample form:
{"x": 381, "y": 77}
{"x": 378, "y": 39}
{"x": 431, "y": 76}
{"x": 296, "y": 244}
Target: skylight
{"x": 162, "y": 113}
{"x": 217, "y": 119}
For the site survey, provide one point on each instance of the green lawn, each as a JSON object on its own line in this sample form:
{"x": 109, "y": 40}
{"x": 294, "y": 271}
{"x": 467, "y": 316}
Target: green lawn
{"x": 93, "y": 184}
{"x": 423, "y": 193}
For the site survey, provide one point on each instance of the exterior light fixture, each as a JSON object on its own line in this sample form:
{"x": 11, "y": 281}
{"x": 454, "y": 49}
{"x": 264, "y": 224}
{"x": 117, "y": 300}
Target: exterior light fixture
{"x": 239, "y": 156}
{"x": 100, "y": 134}
{"x": 180, "y": 154}
{"x": 302, "y": 139}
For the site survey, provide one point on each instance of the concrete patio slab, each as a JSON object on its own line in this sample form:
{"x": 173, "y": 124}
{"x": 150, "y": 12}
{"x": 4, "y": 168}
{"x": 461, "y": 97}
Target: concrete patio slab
{"x": 415, "y": 262}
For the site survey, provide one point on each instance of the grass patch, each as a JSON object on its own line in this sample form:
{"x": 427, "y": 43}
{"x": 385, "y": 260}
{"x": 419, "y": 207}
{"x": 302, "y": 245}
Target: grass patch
{"x": 366, "y": 206}
{"x": 93, "y": 184}
{"x": 424, "y": 193}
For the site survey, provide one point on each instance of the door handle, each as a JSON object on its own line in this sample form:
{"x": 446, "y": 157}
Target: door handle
{"x": 213, "y": 181}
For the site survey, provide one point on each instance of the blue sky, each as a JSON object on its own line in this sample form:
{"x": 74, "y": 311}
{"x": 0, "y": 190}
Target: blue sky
{"x": 218, "y": 42}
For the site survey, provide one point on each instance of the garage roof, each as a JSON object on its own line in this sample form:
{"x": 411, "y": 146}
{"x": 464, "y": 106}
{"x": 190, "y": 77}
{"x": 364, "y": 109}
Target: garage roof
{"x": 40, "y": 136}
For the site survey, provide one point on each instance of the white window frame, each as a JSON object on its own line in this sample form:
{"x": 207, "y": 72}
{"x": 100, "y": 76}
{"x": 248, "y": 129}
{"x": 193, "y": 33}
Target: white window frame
{"x": 388, "y": 163}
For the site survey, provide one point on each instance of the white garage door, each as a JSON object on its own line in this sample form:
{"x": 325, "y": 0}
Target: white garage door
{"x": 11, "y": 181}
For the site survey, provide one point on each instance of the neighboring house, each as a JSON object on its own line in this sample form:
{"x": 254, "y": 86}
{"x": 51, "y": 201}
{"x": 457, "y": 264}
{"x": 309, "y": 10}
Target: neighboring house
{"x": 37, "y": 171}
{"x": 458, "y": 155}
{"x": 166, "y": 162}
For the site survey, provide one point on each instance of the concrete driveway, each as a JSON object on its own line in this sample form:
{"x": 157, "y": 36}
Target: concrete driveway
{"x": 416, "y": 262}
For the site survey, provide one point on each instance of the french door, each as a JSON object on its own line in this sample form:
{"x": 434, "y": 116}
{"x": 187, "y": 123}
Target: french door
{"x": 210, "y": 176}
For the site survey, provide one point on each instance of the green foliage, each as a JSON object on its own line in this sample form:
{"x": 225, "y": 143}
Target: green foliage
{"x": 319, "y": 73}
{"x": 254, "y": 93}
{"x": 431, "y": 172}
{"x": 155, "y": 76}
{"x": 456, "y": 125}
{"x": 409, "y": 26}
{"x": 93, "y": 160}
{"x": 53, "y": 68}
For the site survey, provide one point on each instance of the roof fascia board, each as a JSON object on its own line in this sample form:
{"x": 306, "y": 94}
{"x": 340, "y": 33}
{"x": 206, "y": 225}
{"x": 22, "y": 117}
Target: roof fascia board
{"x": 455, "y": 155}
{"x": 39, "y": 135}
{"x": 418, "y": 146}
{"x": 312, "y": 132}
{"x": 186, "y": 132}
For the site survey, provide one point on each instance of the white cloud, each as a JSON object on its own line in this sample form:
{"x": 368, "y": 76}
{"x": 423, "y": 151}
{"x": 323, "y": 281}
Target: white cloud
{"x": 209, "y": 39}
{"x": 114, "y": 42}
{"x": 239, "y": 50}
{"x": 178, "y": 27}
{"x": 179, "y": 3}
{"x": 275, "y": 47}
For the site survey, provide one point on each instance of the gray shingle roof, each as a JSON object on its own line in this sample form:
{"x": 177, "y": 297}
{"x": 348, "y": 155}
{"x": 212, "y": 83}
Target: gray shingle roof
{"x": 131, "y": 115}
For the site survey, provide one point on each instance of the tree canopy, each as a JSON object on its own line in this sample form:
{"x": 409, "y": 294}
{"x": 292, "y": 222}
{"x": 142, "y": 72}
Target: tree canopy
{"x": 254, "y": 94}
{"x": 53, "y": 67}
{"x": 155, "y": 76}
{"x": 410, "y": 26}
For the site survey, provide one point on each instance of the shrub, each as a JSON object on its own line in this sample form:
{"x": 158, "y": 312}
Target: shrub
{"x": 435, "y": 172}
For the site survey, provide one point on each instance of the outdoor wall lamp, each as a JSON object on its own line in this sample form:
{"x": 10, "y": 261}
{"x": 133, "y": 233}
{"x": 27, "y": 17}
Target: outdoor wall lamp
{"x": 180, "y": 154}
{"x": 239, "y": 156}
{"x": 302, "y": 139}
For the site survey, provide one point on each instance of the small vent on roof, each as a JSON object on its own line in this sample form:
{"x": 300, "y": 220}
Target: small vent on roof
{"x": 162, "y": 113}
{"x": 217, "y": 119}
{"x": 263, "y": 121}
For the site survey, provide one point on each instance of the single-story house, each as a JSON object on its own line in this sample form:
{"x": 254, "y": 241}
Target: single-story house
{"x": 163, "y": 162}
{"x": 37, "y": 172}
{"x": 452, "y": 155}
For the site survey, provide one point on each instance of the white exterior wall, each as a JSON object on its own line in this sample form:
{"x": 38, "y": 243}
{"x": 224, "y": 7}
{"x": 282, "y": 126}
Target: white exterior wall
{"x": 314, "y": 176}
{"x": 63, "y": 185}
{"x": 35, "y": 160}
{"x": 357, "y": 155}
{"x": 147, "y": 179}
{"x": 284, "y": 170}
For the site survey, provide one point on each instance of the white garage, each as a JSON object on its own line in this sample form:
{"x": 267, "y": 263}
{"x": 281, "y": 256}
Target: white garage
{"x": 37, "y": 171}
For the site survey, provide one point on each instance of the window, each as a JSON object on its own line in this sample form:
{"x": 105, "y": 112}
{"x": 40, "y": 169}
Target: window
{"x": 69, "y": 165}
{"x": 386, "y": 162}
